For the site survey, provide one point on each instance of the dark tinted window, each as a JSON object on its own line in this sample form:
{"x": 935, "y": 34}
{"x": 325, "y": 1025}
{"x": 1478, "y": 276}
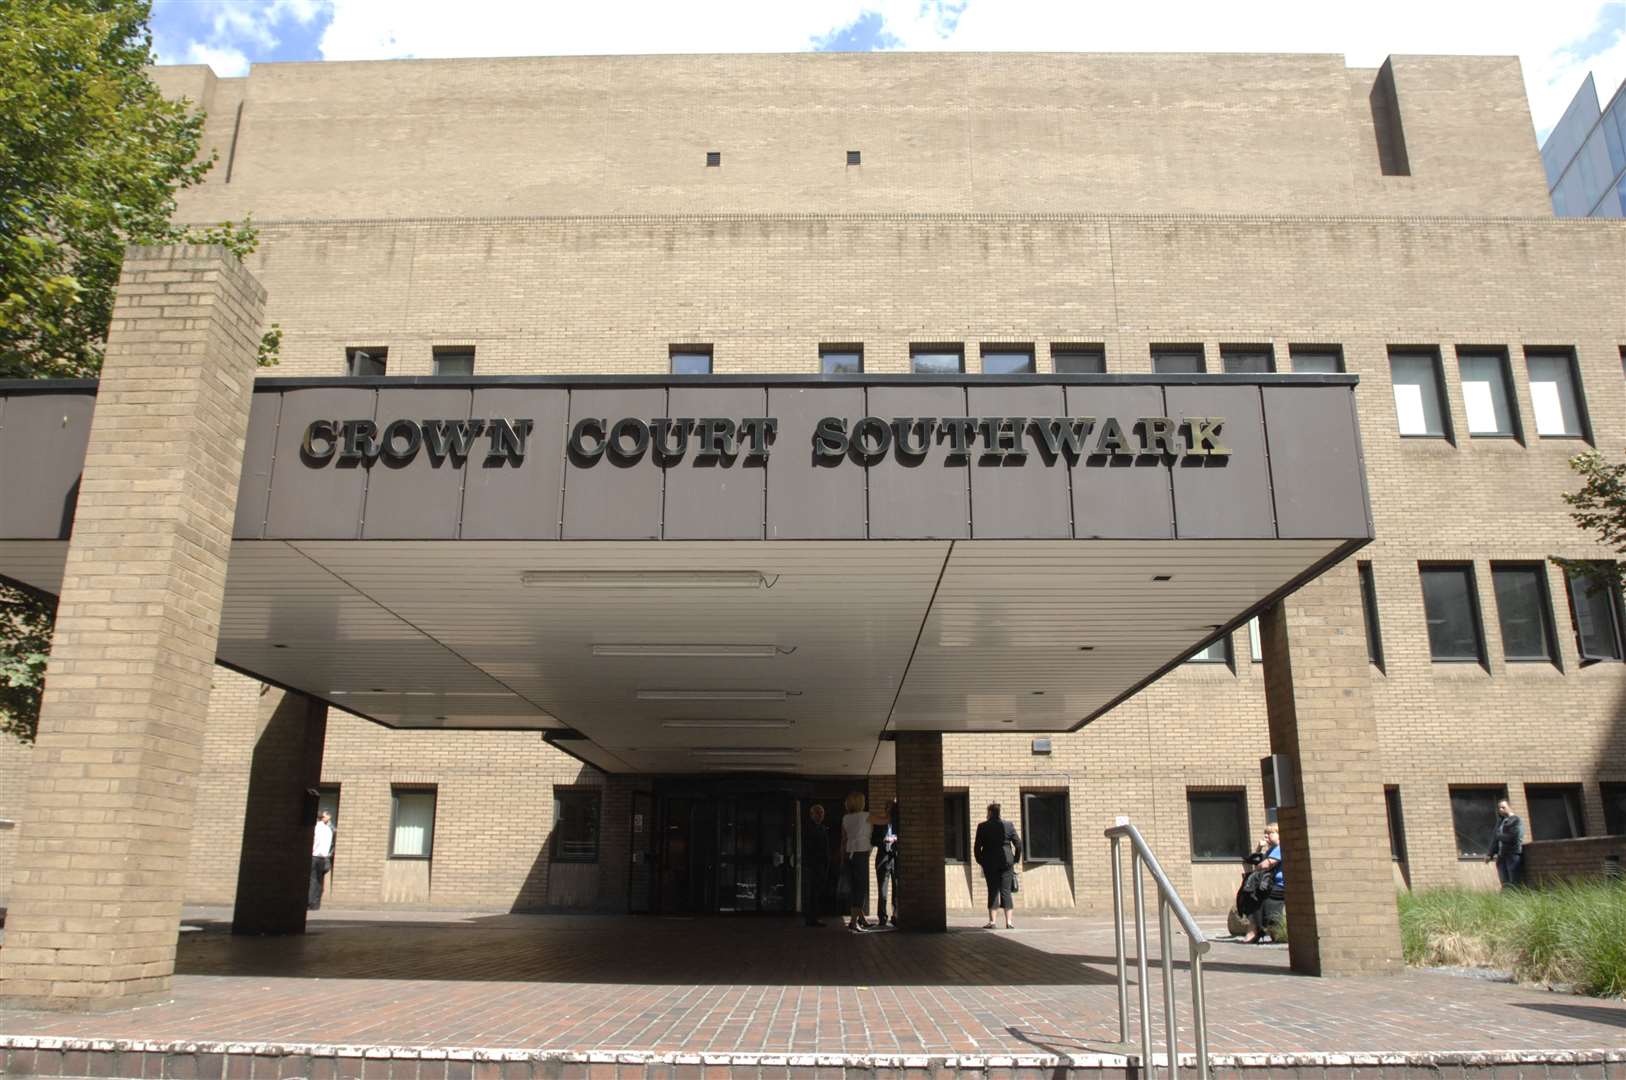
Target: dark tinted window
{"x": 1369, "y": 603}
{"x": 454, "y": 360}
{"x": 936, "y": 361}
{"x": 1453, "y": 613}
{"x": 714, "y": 157}
{"x": 1183, "y": 361}
{"x": 1397, "y": 823}
{"x": 1317, "y": 361}
{"x": 1523, "y": 613}
{"x": 1473, "y": 815}
{"x": 1614, "y": 808}
{"x": 1044, "y": 826}
{"x": 1079, "y": 360}
{"x": 957, "y": 827}
{"x": 575, "y": 825}
{"x": 1007, "y": 362}
{"x": 841, "y": 361}
{"x": 369, "y": 360}
{"x": 1247, "y": 360}
{"x": 1595, "y": 610}
{"x": 1555, "y": 811}
{"x": 1219, "y": 825}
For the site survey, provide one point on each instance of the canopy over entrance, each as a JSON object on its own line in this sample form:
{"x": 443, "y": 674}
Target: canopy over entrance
{"x": 742, "y": 573}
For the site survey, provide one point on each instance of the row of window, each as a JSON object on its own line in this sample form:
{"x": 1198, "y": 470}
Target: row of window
{"x": 412, "y": 821}
{"x": 714, "y": 158}
{"x": 1456, "y": 632}
{"x": 1220, "y": 830}
{"x": 1045, "y": 829}
{"x": 1488, "y": 395}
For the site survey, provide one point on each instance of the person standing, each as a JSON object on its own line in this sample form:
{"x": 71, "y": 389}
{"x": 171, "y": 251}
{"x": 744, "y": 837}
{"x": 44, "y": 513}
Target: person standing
{"x": 1507, "y": 846}
{"x": 855, "y": 843}
{"x": 885, "y": 840}
{"x": 321, "y": 857}
{"x": 997, "y": 849}
{"x": 815, "y": 866}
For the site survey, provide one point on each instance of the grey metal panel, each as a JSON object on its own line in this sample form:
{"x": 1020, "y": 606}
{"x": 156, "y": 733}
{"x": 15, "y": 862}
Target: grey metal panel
{"x": 610, "y": 499}
{"x": 1118, "y": 498}
{"x": 316, "y": 501}
{"x": 1226, "y": 496}
{"x": 929, "y": 499}
{"x": 501, "y": 502}
{"x": 1315, "y": 463}
{"x": 42, "y": 451}
{"x": 259, "y": 450}
{"x": 1020, "y": 498}
{"x": 712, "y": 498}
{"x": 418, "y": 499}
{"x": 808, "y": 499}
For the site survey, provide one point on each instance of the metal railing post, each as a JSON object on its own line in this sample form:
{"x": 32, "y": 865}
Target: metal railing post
{"x": 1140, "y": 963}
{"x": 1199, "y": 1012}
{"x": 1166, "y": 948}
{"x": 1118, "y": 939}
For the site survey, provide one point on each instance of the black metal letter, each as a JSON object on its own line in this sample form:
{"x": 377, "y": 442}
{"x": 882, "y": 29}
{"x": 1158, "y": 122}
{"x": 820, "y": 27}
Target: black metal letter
{"x": 591, "y": 425}
{"x": 399, "y": 430}
{"x": 920, "y": 427}
{"x": 830, "y": 438}
{"x": 669, "y": 451}
{"x": 1113, "y": 440}
{"x": 868, "y": 429}
{"x": 761, "y": 431}
{"x": 453, "y": 437}
{"x": 716, "y": 437}
{"x": 1064, "y": 434}
{"x": 320, "y": 431}
{"x": 957, "y": 431}
{"x": 1158, "y": 436}
{"x": 508, "y": 438}
{"x": 360, "y": 438}
{"x": 1204, "y": 434}
{"x": 629, "y": 427}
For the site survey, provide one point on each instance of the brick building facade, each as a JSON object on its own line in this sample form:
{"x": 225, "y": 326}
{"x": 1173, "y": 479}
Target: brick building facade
{"x": 562, "y": 216}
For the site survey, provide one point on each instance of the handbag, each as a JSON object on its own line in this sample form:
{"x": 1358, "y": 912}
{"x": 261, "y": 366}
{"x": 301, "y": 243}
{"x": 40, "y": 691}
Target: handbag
{"x": 1016, "y": 880}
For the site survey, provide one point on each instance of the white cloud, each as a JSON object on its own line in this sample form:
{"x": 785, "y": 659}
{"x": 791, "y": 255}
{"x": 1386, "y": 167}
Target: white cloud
{"x": 1544, "y": 35}
{"x": 227, "y": 61}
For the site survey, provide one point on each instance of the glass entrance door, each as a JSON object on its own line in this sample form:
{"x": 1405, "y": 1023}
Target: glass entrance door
{"x": 756, "y": 847}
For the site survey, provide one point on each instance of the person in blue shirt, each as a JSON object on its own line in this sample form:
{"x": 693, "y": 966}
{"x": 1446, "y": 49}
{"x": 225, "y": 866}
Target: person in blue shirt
{"x": 1273, "y": 910}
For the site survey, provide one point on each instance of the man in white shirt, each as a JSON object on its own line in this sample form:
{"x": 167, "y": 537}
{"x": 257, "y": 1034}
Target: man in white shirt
{"x": 321, "y": 856}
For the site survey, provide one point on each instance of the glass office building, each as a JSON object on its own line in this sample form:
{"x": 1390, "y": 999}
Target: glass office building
{"x": 1585, "y": 156}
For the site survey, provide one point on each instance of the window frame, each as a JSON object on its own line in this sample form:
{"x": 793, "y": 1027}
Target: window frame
{"x": 1369, "y": 609}
{"x": 1228, "y": 659}
{"x": 1256, "y": 642}
{"x": 1574, "y": 799}
{"x": 829, "y": 349}
{"x": 714, "y": 159}
{"x": 1612, "y": 793}
{"x": 944, "y": 348}
{"x": 855, "y": 157}
{"x": 1237, "y": 352}
{"x": 987, "y": 349}
{"x": 1238, "y": 797}
{"x": 1498, "y": 791}
{"x": 1295, "y": 352}
{"x": 1617, "y": 621}
{"x": 1097, "y": 353}
{"x": 431, "y": 790}
{"x": 1572, "y": 363}
{"x": 1510, "y": 397}
{"x": 1474, "y": 610}
{"x": 1172, "y": 351}
{"x": 1544, "y": 601}
{"x": 1394, "y": 809}
{"x": 1066, "y": 855}
{"x": 695, "y": 349}
{"x": 566, "y": 792}
{"x": 957, "y": 813}
{"x": 379, "y": 354}
{"x": 1432, "y": 355}
{"x": 444, "y": 352}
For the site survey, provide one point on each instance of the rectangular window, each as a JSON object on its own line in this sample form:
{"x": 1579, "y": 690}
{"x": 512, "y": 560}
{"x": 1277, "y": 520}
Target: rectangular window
{"x": 1397, "y": 823}
{"x": 1219, "y": 825}
{"x": 1007, "y": 360}
{"x": 1079, "y": 359}
{"x": 575, "y": 825}
{"x": 1369, "y": 604}
{"x": 1217, "y": 651}
{"x": 957, "y": 827}
{"x": 1473, "y": 816}
{"x": 1045, "y": 831}
{"x": 1256, "y": 649}
{"x": 714, "y": 158}
{"x": 1451, "y": 603}
{"x": 691, "y": 359}
{"x": 412, "y": 822}
{"x": 361, "y": 361}
{"x": 1419, "y": 397}
{"x": 1524, "y": 612}
{"x": 1316, "y": 359}
{"x": 1247, "y": 359}
{"x": 1555, "y": 811}
{"x": 841, "y": 359}
{"x": 454, "y": 359}
{"x": 1595, "y": 610}
{"x": 1555, "y": 394}
{"x": 1178, "y": 360}
{"x": 936, "y": 359}
{"x": 1614, "y": 808}
{"x": 1487, "y": 393}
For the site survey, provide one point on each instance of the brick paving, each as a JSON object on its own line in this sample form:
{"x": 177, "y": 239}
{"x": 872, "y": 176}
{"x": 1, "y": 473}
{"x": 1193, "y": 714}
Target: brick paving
{"x": 586, "y": 984}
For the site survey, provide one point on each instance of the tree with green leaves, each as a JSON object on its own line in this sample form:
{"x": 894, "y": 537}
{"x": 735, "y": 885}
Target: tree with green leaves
{"x": 1599, "y": 508}
{"x": 91, "y": 159}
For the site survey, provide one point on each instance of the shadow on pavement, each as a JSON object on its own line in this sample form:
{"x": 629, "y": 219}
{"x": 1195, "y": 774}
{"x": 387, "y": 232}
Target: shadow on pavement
{"x": 1597, "y": 1014}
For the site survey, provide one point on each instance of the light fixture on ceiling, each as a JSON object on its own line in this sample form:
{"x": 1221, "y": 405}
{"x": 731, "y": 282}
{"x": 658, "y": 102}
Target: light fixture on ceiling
{"x": 744, "y": 751}
{"x": 1086, "y": 648}
{"x": 740, "y": 651}
{"x": 1162, "y": 577}
{"x": 645, "y": 579}
{"x": 753, "y": 766}
{"x": 727, "y": 724}
{"x": 712, "y": 695}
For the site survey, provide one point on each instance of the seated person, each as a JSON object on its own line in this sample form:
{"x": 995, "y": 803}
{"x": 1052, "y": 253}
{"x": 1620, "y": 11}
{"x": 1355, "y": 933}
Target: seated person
{"x": 1273, "y": 910}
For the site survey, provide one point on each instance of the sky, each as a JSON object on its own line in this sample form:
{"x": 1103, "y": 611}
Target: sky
{"x": 1557, "y": 41}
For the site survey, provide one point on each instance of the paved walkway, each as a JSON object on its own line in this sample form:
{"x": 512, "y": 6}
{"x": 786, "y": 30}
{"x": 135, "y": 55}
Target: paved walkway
{"x": 580, "y": 984}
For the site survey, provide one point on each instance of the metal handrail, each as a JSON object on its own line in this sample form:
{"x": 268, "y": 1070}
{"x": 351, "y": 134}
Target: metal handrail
{"x": 1167, "y": 901}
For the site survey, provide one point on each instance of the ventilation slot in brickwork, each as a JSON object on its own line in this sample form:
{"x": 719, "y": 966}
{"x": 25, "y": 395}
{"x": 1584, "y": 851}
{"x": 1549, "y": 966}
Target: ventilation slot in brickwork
{"x": 1391, "y": 137}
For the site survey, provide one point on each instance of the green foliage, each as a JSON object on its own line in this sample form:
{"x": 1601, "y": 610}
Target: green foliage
{"x": 25, "y": 640}
{"x": 1600, "y": 508}
{"x": 1571, "y": 933}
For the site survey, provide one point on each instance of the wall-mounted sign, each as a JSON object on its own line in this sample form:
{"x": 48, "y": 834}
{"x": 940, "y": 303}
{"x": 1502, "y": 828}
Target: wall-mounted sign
{"x": 991, "y": 439}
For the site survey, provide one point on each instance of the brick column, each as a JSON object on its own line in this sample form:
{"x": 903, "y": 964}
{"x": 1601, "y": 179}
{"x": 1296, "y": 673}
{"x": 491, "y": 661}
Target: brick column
{"x": 273, "y": 871}
{"x": 106, "y": 829}
{"x": 922, "y": 903}
{"x": 1341, "y": 915}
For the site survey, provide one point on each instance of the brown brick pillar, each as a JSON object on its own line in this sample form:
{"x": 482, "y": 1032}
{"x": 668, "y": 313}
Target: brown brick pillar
{"x": 273, "y": 871}
{"x": 106, "y": 828}
{"x": 922, "y": 903}
{"x": 1341, "y": 915}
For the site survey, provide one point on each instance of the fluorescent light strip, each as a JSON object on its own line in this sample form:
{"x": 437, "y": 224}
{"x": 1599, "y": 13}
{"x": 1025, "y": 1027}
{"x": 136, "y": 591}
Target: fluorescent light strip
{"x": 767, "y": 650}
{"x": 712, "y": 695}
{"x": 745, "y": 751}
{"x": 728, "y": 724}
{"x": 645, "y": 579}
